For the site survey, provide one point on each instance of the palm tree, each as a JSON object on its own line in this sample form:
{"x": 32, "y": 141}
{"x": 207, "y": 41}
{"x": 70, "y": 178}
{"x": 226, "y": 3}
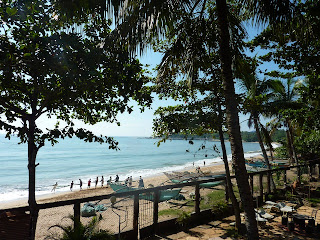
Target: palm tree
{"x": 255, "y": 97}
{"x": 284, "y": 97}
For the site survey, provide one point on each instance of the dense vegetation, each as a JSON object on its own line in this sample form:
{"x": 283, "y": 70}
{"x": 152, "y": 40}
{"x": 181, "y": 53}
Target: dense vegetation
{"x": 278, "y": 136}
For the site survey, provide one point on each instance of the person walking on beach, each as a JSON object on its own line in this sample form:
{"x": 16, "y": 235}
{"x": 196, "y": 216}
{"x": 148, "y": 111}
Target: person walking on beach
{"x": 109, "y": 181}
{"x": 89, "y": 183}
{"x": 130, "y": 181}
{"x": 71, "y": 186}
{"x": 141, "y": 183}
{"x": 54, "y": 187}
{"x": 102, "y": 181}
{"x": 96, "y": 183}
{"x": 80, "y": 184}
{"x": 204, "y": 163}
{"x": 126, "y": 181}
{"x": 117, "y": 178}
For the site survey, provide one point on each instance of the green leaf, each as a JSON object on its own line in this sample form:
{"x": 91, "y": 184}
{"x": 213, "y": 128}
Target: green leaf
{"x": 27, "y": 54}
{"x": 11, "y": 11}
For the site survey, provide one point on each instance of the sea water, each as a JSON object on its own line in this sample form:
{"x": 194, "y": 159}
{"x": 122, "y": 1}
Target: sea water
{"x": 73, "y": 159}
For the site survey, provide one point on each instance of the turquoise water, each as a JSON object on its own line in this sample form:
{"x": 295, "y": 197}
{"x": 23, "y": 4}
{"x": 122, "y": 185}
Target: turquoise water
{"x": 72, "y": 159}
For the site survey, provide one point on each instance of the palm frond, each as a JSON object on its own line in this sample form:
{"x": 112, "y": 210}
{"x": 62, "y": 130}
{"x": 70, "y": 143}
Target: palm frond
{"x": 272, "y": 11}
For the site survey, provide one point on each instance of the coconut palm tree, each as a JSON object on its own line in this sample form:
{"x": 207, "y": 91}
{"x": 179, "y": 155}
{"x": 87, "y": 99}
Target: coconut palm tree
{"x": 284, "y": 96}
{"x": 255, "y": 96}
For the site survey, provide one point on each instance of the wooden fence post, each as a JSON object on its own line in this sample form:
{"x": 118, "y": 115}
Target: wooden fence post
{"x": 309, "y": 171}
{"x": 269, "y": 182}
{"x": 227, "y": 190}
{"x": 261, "y": 187}
{"x": 76, "y": 212}
{"x": 251, "y": 183}
{"x": 155, "y": 210}
{"x": 197, "y": 199}
{"x": 299, "y": 173}
{"x": 136, "y": 215}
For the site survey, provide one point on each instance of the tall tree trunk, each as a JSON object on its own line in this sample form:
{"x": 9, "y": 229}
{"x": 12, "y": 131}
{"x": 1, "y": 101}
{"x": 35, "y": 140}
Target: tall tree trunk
{"x": 289, "y": 147}
{"x": 271, "y": 150}
{"x": 233, "y": 122}
{"x": 32, "y": 154}
{"x": 264, "y": 152}
{"x": 263, "y": 149}
{"x": 233, "y": 198}
{"x": 294, "y": 154}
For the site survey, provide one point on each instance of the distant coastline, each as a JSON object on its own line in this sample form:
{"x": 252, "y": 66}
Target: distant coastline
{"x": 249, "y": 137}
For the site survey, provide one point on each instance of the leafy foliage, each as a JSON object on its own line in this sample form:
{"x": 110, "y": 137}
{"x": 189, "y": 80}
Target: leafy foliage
{"x": 82, "y": 232}
{"x": 294, "y": 46}
{"x": 47, "y": 69}
{"x": 183, "y": 219}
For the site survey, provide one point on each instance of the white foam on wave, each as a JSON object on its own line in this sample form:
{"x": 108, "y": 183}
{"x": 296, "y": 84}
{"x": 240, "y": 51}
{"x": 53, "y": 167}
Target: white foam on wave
{"x": 158, "y": 171}
{"x": 19, "y": 194}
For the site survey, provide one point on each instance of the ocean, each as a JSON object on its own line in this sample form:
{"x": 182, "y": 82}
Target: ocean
{"x": 73, "y": 159}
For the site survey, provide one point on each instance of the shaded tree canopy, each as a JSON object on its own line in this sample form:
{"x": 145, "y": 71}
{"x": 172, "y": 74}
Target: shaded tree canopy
{"x": 47, "y": 68}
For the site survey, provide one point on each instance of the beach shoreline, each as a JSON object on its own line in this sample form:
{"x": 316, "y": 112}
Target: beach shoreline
{"x": 155, "y": 180}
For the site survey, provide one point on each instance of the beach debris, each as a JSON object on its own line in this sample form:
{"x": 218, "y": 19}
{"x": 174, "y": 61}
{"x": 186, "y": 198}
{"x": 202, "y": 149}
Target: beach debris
{"x": 192, "y": 195}
{"x": 90, "y": 209}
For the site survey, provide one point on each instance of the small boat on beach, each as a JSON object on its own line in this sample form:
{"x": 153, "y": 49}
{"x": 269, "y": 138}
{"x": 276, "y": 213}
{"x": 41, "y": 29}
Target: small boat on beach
{"x": 164, "y": 194}
{"x": 259, "y": 165}
{"x": 183, "y": 177}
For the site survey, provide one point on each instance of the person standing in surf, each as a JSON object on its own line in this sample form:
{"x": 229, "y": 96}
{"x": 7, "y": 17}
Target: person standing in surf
{"x": 102, "y": 181}
{"x": 130, "y": 181}
{"x": 80, "y": 184}
{"x": 96, "y": 182}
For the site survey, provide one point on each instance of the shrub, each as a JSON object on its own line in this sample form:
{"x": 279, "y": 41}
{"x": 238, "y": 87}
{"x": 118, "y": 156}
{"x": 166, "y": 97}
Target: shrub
{"x": 184, "y": 219}
{"x": 81, "y": 232}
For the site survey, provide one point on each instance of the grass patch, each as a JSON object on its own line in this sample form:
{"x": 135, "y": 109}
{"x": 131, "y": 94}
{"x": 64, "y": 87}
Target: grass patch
{"x": 212, "y": 198}
{"x": 233, "y": 233}
{"x": 171, "y": 212}
{"x": 314, "y": 200}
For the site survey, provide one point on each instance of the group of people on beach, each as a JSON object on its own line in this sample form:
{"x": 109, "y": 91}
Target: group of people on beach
{"x": 127, "y": 182}
{"x": 96, "y": 182}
